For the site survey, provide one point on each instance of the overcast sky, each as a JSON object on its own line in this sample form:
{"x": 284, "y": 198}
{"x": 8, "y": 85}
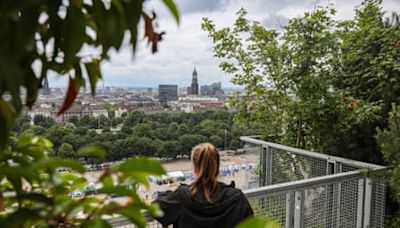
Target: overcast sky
{"x": 187, "y": 45}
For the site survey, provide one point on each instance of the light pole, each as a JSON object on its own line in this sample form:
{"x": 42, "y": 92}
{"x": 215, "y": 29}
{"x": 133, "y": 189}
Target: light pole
{"x": 224, "y": 139}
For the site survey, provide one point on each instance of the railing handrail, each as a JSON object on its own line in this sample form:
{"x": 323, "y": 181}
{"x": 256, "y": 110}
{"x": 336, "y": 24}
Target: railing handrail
{"x": 310, "y": 182}
{"x": 253, "y": 140}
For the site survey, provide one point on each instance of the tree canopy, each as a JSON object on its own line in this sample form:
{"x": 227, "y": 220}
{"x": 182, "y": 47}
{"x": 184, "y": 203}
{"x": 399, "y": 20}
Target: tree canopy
{"x": 306, "y": 82}
{"x": 40, "y": 37}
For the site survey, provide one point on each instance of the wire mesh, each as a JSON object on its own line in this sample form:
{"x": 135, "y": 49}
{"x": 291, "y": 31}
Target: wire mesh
{"x": 378, "y": 203}
{"x": 123, "y": 222}
{"x": 317, "y": 207}
{"x": 348, "y": 203}
{"x": 348, "y": 168}
{"x": 271, "y": 206}
{"x": 288, "y": 166}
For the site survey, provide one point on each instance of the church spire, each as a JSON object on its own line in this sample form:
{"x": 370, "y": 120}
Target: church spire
{"x": 194, "y": 71}
{"x": 194, "y": 89}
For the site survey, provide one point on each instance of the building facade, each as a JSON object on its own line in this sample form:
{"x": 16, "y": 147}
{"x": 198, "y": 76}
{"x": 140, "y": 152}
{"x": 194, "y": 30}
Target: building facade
{"x": 167, "y": 93}
{"x": 212, "y": 90}
{"x": 74, "y": 111}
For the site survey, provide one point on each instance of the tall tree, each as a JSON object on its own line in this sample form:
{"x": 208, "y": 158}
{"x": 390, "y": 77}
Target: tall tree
{"x": 290, "y": 80}
{"x": 66, "y": 151}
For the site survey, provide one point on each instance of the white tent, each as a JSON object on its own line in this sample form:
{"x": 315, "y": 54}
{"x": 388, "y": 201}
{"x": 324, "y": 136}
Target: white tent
{"x": 176, "y": 174}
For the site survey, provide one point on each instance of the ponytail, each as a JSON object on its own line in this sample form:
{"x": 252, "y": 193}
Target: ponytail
{"x": 205, "y": 159}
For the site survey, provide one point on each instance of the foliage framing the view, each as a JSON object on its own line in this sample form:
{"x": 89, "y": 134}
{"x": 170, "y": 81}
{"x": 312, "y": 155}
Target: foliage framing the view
{"x": 51, "y": 35}
{"x": 318, "y": 83}
{"x": 389, "y": 141}
{"x": 39, "y": 37}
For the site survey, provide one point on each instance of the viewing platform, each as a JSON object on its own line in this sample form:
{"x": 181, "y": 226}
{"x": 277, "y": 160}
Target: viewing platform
{"x": 301, "y": 188}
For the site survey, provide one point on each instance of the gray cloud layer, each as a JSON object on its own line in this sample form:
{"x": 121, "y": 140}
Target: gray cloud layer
{"x": 186, "y": 44}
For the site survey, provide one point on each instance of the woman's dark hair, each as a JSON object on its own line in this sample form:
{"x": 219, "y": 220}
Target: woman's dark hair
{"x": 205, "y": 159}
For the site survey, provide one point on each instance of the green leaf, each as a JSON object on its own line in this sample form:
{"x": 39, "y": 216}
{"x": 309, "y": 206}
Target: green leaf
{"x": 259, "y": 222}
{"x": 94, "y": 73}
{"x": 135, "y": 215}
{"x": 154, "y": 210}
{"x": 72, "y": 181}
{"x": 18, "y": 218}
{"x": 133, "y": 12}
{"x": 141, "y": 178}
{"x": 73, "y": 33}
{"x": 92, "y": 151}
{"x": 173, "y": 9}
{"x": 98, "y": 223}
{"x": 35, "y": 197}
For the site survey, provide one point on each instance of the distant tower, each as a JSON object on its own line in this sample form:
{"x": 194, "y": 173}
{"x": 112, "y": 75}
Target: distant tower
{"x": 195, "y": 84}
{"x": 45, "y": 87}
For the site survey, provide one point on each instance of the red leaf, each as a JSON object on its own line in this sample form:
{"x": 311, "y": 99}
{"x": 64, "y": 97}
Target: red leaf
{"x": 148, "y": 26}
{"x": 70, "y": 98}
{"x": 149, "y": 33}
{"x": 156, "y": 38}
{"x": 1, "y": 202}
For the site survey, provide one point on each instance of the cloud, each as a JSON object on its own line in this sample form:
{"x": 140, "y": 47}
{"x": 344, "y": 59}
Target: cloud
{"x": 188, "y": 7}
{"x": 186, "y": 44}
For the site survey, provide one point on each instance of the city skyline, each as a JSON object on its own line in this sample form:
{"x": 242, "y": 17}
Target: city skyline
{"x": 185, "y": 45}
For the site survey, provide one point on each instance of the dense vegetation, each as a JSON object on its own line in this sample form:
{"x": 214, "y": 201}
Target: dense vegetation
{"x": 319, "y": 83}
{"x": 155, "y": 135}
{"x": 39, "y": 37}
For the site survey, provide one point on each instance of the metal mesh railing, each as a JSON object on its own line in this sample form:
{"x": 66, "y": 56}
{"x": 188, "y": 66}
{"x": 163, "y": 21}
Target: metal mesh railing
{"x": 273, "y": 206}
{"x": 354, "y": 202}
{"x": 330, "y": 201}
{"x": 288, "y": 166}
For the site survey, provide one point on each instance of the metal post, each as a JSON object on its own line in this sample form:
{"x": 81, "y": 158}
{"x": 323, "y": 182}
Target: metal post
{"x": 263, "y": 164}
{"x": 338, "y": 198}
{"x": 367, "y": 202}
{"x": 330, "y": 196}
{"x": 298, "y": 209}
{"x": 289, "y": 210}
{"x": 360, "y": 203}
{"x": 224, "y": 139}
{"x": 268, "y": 168}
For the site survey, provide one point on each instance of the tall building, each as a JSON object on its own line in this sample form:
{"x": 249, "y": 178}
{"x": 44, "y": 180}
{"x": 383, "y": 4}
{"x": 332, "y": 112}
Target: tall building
{"x": 167, "y": 93}
{"x": 194, "y": 87}
{"x": 212, "y": 90}
{"x": 45, "y": 87}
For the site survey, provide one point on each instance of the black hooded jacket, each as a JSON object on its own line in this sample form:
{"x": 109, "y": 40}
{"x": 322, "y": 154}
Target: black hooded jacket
{"x": 228, "y": 208}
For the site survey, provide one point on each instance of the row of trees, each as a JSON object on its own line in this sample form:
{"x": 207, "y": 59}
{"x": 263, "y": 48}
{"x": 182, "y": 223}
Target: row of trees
{"x": 161, "y": 135}
{"x": 319, "y": 83}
